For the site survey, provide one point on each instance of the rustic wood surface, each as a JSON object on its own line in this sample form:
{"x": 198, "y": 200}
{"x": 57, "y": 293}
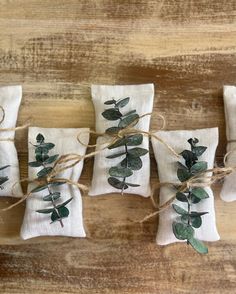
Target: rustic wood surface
{"x": 56, "y": 49}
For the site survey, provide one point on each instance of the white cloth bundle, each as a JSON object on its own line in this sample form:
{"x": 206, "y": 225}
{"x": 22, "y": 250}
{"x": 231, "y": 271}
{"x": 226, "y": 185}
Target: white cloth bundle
{"x": 228, "y": 192}
{"x": 141, "y": 99}
{"x": 38, "y": 224}
{"x": 167, "y": 170}
{"x": 10, "y": 99}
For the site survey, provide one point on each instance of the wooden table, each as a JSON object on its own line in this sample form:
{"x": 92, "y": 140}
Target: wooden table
{"x": 56, "y": 49}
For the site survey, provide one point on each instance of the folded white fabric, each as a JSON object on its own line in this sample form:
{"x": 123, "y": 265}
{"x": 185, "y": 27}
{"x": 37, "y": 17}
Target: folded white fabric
{"x": 38, "y": 224}
{"x": 10, "y": 99}
{"x": 228, "y": 192}
{"x": 141, "y": 100}
{"x": 167, "y": 170}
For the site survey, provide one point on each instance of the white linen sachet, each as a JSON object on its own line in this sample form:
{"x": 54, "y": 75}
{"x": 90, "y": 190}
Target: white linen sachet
{"x": 167, "y": 170}
{"x": 228, "y": 192}
{"x": 141, "y": 100}
{"x": 39, "y": 224}
{"x": 10, "y": 99}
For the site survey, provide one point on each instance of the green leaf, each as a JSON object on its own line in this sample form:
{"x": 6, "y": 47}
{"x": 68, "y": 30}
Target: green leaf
{"x": 51, "y": 159}
{"x": 44, "y": 172}
{"x": 64, "y": 203}
{"x": 3, "y": 180}
{"x": 179, "y": 209}
{"x": 120, "y": 172}
{"x": 123, "y": 102}
{"x": 40, "y": 151}
{"x": 4, "y": 167}
{"x": 200, "y": 193}
{"x": 116, "y": 155}
{"x": 40, "y": 138}
{"x": 183, "y": 175}
{"x": 39, "y": 188}
{"x": 182, "y": 231}
{"x": 194, "y": 199}
{"x": 47, "y": 146}
{"x": 48, "y": 210}
{"x": 137, "y": 152}
{"x": 190, "y": 157}
{"x": 198, "y": 245}
{"x": 199, "y": 150}
{"x": 130, "y": 112}
{"x": 193, "y": 142}
{"x": 135, "y": 163}
{"x": 181, "y": 197}
{"x": 180, "y": 165}
{"x": 196, "y": 213}
{"x": 112, "y": 114}
{"x": 63, "y": 212}
{"x": 109, "y": 102}
{"x": 117, "y": 183}
{"x": 196, "y": 221}
{"x": 128, "y": 120}
{"x": 41, "y": 157}
{"x": 118, "y": 143}
{"x": 134, "y": 140}
{"x": 52, "y": 196}
{"x": 199, "y": 167}
{"x": 35, "y": 164}
{"x": 132, "y": 185}
{"x": 113, "y": 130}
{"x": 55, "y": 184}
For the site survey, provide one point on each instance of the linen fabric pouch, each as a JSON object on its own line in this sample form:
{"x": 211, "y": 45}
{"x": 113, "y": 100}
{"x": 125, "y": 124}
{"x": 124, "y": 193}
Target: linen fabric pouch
{"x": 141, "y": 100}
{"x": 167, "y": 170}
{"x": 228, "y": 192}
{"x": 39, "y": 224}
{"x": 10, "y": 99}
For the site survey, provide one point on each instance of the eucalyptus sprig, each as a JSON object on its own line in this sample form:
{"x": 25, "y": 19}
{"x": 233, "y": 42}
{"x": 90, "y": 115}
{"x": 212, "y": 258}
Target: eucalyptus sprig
{"x": 58, "y": 211}
{"x": 131, "y": 157}
{"x": 3, "y": 179}
{"x": 189, "y": 220}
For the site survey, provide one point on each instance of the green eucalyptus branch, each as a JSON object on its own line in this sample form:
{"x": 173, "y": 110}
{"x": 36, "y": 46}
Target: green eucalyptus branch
{"x": 189, "y": 220}
{"x": 44, "y": 160}
{"x": 131, "y": 157}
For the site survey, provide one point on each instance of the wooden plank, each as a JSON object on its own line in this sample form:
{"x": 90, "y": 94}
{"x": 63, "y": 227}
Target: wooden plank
{"x": 56, "y": 49}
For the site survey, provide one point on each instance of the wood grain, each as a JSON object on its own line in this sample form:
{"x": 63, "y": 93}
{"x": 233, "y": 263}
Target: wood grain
{"x": 56, "y": 49}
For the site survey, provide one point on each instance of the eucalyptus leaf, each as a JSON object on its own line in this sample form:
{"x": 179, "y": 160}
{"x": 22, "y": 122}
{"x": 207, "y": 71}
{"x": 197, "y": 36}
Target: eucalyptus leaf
{"x": 199, "y": 166}
{"x": 112, "y": 114}
{"x": 59, "y": 214}
{"x": 196, "y": 221}
{"x": 44, "y": 172}
{"x": 179, "y": 209}
{"x": 183, "y": 175}
{"x": 135, "y": 163}
{"x": 109, "y": 102}
{"x": 199, "y": 150}
{"x": 130, "y": 112}
{"x": 3, "y": 180}
{"x": 137, "y": 152}
{"x": 200, "y": 193}
{"x": 120, "y": 172}
{"x": 113, "y": 130}
{"x": 132, "y": 185}
{"x": 64, "y": 203}
{"x": 40, "y": 138}
{"x": 198, "y": 245}
{"x": 128, "y": 120}
{"x": 51, "y": 159}
{"x": 118, "y": 143}
{"x": 46, "y": 211}
{"x": 196, "y": 213}
{"x": 114, "y": 182}
{"x": 4, "y": 167}
{"x": 182, "y": 231}
{"x": 123, "y": 102}
{"x": 181, "y": 197}
{"x": 41, "y": 157}
{"x": 52, "y": 196}
{"x": 134, "y": 140}
{"x": 35, "y": 163}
